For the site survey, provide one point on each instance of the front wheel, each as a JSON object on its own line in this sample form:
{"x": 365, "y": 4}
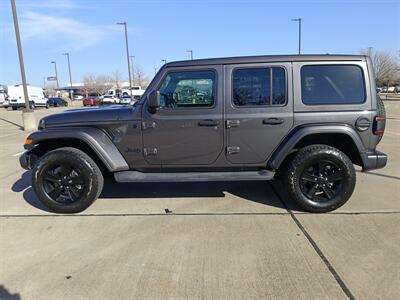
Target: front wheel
{"x": 67, "y": 180}
{"x": 320, "y": 178}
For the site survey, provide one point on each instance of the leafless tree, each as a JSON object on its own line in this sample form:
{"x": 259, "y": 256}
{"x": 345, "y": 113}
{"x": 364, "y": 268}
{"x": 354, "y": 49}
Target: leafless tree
{"x": 117, "y": 79}
{"x": 96, "y": 84}
{"x": 386, "y": 67}
{"x": 141, "y": 78}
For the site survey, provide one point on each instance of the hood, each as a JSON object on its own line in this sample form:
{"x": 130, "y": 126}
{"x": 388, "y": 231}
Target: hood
{"x": 89, "y": 116}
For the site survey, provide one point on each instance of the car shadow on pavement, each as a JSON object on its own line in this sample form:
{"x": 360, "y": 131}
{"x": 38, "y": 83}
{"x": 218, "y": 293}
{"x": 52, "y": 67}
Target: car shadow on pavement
{"x": 23, "y": 184}
{"x": 257, "y": 191}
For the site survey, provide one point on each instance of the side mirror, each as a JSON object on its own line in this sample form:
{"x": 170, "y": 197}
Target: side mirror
{"x": 154, "y": 101}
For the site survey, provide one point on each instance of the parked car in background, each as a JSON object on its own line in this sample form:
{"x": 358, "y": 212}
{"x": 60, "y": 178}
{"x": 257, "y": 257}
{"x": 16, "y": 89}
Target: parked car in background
{"x": 108, "y": 99}
{"x": 3, "y": 100}
{"x": 137, "y": 92}
{"x": 125, "y": 100}
{"x": 35, "y": 95}
{"x": 57, "y": 101}
{"x": 91, "y": 100}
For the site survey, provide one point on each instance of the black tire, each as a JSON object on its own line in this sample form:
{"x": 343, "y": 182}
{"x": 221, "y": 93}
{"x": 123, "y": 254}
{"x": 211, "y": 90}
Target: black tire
{"x": 32, "y": 105}
{"x": 47, "y": 105}
{"x": 14, "y": 108}
{"x": 320, "y": 178}
{"x": 67, "y": 180}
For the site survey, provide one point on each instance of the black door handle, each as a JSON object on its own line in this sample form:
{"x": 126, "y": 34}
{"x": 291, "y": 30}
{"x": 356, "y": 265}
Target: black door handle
{"x": 208, "y": 123}
{"x": 272, "y": 121}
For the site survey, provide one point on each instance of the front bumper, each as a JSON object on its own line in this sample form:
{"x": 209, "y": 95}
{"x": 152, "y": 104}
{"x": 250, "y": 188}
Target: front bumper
{"x": 374, "y": 160}
{"x": 28, "y": 160}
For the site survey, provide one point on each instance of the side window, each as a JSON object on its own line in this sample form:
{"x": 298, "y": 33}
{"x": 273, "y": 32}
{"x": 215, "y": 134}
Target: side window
{"x": 188, "y": 89}
{"x": 259, "y": 86}
{"x": 332, "y": 84}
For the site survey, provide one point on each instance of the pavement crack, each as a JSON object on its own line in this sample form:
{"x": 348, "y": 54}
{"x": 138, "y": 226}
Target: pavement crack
{"x": 327, "y": 263}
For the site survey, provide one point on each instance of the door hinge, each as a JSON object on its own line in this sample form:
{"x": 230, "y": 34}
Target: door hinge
{"x": 150, "y": 151}
{"x": 147, "y": 125}
{"x": 232, "y": 123}
{"x": 232, "y": 150}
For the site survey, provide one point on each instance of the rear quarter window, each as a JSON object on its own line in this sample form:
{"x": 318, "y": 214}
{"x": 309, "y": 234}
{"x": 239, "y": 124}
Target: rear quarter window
{"x": 332, "y": 84}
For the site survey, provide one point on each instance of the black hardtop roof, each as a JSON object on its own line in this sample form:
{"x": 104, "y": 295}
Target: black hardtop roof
{"x": 266, "y": 59}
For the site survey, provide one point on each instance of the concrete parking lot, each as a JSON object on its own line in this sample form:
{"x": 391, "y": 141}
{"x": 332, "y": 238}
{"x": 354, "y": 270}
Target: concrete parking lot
{"x": 228, "y": 240}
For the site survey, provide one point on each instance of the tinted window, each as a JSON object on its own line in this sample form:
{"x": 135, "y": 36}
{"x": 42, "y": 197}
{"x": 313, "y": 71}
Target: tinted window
{"x": 188, "y": 89}
{"x": 259, "y": 86}
{"x": 332, "y": 84}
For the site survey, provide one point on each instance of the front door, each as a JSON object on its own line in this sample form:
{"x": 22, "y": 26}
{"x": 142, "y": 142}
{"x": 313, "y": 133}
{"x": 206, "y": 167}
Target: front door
{"x": 259, "y": 110}
{"x": 188, "y": 127}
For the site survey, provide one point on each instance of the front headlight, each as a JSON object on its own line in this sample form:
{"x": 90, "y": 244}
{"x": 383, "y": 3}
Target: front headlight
{"x": 42, "y": 124}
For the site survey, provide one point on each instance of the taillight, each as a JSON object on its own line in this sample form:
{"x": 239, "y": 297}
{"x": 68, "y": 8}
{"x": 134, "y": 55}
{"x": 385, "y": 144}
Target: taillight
{"x": 379, "y": 125}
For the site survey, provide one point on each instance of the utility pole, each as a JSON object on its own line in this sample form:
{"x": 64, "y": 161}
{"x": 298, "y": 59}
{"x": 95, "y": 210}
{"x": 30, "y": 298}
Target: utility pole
{"x": 191, "y": 53}
{"x": 71, "y": 92}
{"x": 28, "y": 117}
{"x": 299, "y": 20}
{"x": 155, "y": 70}
{"x": 55, "y": 69}
{"x": 44, "y": 82}
{"x": 132, "y": 57}
{"x": 127, "y": 54}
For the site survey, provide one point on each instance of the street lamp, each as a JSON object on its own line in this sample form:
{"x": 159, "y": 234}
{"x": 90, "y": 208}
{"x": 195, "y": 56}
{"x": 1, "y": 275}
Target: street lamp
{"x": 299, "y": 20}
{"x": 191, "y": 53}
{"x": 132, "y": 57}
{"x": 55, "y": 69}
{"x": 28, "y": 117}
{"x": 70, "y": 77}
{"x": 127, "y": 53}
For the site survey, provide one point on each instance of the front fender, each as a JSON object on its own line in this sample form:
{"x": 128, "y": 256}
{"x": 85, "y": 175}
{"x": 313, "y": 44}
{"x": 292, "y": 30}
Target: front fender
{"x": 95, "y": 138}
{"x": 300, "y": 132}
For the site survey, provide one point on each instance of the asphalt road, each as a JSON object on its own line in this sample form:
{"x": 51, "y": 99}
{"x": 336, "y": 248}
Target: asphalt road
{"x": 228, "y": 240}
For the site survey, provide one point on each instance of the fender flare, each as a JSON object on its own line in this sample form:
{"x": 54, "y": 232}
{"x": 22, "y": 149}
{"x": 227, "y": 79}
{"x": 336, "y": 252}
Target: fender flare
{"x": 287, "y": 145}
{"x": 95, "y": 138}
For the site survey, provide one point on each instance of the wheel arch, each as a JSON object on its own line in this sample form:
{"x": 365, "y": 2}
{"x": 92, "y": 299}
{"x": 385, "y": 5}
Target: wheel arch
{"x": 342, "y": 137}
{"x": 92, "y": 141}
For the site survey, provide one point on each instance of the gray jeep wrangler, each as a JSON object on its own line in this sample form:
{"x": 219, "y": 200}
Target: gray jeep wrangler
{"x": 309, "y": 118}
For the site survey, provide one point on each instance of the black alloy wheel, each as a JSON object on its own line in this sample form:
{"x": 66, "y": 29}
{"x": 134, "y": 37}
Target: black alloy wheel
{"x": 63, "y": 183}
{"x": 321, "y": 181}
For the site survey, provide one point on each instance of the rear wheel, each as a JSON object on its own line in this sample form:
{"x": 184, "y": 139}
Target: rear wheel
{"x": 32, "y": 105}
{"x": 67, "y": 180}
{"x": 320, "y": 178}
{"x": 14, "y": 108}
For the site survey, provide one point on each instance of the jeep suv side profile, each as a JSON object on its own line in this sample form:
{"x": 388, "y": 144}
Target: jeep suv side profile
{"x": 310, "y": 118}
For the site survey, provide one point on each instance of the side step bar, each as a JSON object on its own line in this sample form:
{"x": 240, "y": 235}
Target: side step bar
{"x": 136, "y": 176}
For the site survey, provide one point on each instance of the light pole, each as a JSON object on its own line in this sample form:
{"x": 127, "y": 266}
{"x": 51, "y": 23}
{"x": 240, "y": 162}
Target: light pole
{"x": 370, "y": 51}
{"x": 132, "y": 57}
{"x": 191, "y": 53}
{"x": 127, "y": 54}
{"x": 28, "y": 117}
{"x": 55, "y": 69}
{"x": 70, "y": 77}
{"x": 299, "y": 20}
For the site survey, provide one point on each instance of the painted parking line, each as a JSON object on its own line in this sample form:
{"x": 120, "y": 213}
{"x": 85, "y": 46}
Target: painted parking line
{"x": 18, "y": 154}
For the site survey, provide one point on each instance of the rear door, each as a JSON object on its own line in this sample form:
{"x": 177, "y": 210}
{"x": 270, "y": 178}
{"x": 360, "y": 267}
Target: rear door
{"x": 259, "y": 110}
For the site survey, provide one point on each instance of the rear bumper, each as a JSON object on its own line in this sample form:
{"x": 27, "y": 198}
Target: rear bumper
{"x": 374, "y": 160}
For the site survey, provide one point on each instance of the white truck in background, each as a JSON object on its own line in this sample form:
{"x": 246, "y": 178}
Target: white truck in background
{"x": 35, "y": 95}
{"x": 137, "y": 92}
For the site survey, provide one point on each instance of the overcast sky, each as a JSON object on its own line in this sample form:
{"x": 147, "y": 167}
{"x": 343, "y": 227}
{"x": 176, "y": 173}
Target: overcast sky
{"x": 166, "y": 29}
